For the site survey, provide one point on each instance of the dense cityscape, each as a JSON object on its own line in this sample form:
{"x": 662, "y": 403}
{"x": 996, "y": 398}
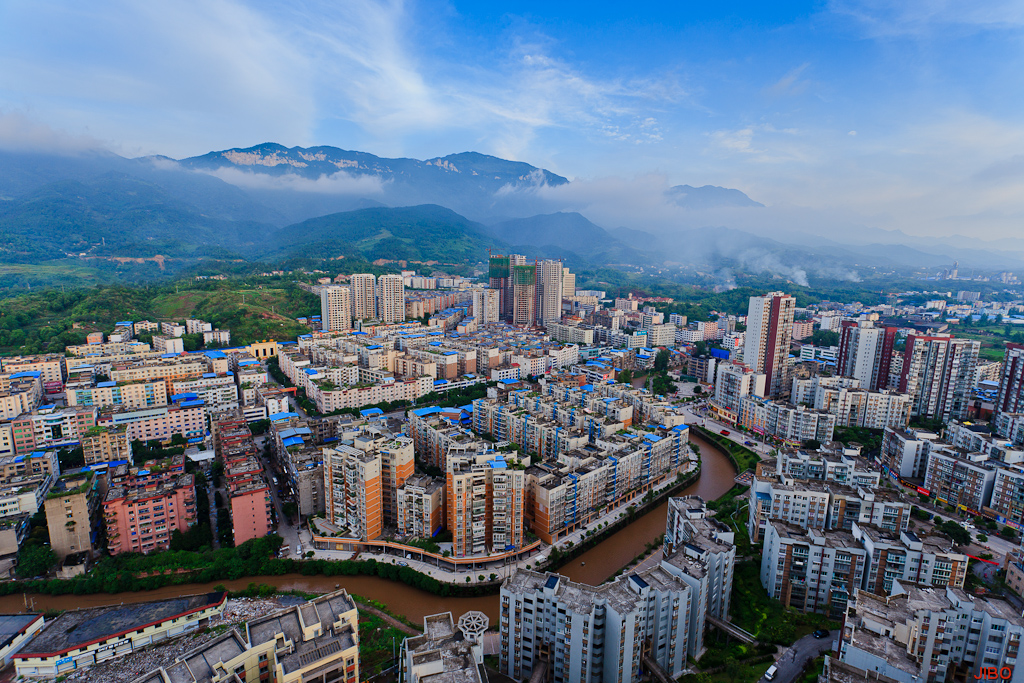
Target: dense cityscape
{"x": 448, "y": 341}
{"x": 486, "y": 436}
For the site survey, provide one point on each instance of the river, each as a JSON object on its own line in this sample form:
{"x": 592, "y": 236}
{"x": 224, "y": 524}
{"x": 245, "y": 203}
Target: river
{"x": 598, "y": 564}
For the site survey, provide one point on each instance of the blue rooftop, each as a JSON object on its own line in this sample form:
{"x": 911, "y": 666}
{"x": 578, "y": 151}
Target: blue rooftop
{"x": 19, "y": 375}
{"x": 106, "y": 384}
{"x": 207, "y": 375}
{"x": 293, "y": 441}
{"x": 371, "y": 411}
{"x": 423, "y": 412}
{"x": 214, "y": 354}
{"x": 282, "y": 416}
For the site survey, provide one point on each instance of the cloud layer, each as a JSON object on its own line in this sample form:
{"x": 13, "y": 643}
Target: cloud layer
{"x": 892, "y": 115}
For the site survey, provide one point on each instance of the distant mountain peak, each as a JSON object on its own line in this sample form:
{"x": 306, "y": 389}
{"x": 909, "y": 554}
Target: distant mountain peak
{"x": 709, "y": 197}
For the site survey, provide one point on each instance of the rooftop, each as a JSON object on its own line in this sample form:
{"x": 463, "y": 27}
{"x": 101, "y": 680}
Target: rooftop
{"x": 76, "y": 629}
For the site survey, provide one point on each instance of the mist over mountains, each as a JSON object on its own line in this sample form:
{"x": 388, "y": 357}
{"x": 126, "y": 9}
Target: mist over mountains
{"x": 270, "y": 202}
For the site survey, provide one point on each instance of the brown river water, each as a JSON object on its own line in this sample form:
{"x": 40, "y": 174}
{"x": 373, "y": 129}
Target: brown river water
{"x": 593, "y": 567}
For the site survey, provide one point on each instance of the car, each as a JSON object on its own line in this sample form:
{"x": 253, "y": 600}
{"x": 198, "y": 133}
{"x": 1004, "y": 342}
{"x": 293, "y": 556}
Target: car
{"x": 770, "y": 673}
{"x": 403, "y": 564}
{"x": 821, "y": 633}
{"x": 724, "y": 432}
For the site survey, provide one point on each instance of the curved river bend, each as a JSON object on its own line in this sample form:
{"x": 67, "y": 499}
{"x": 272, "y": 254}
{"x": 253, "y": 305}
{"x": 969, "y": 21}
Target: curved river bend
{"x": 599, "y": 563}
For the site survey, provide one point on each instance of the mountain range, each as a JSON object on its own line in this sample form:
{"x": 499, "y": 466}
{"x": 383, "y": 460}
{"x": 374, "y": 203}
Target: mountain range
{"x": 272, "y": 202}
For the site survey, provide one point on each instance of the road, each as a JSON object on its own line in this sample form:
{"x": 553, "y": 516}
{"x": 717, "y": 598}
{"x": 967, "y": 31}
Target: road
{"x": 793, "y": 660}
{"x": 287, "y": 531}
{"x": 698, "y": 415}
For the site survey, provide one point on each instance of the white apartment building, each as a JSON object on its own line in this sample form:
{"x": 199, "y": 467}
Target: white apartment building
{"x": 549, "y": 291}
{"x": 853, "y": 406}
{"x": 594, "y": 634}
{"x": 487, "y": 305}
{"x": 194, "y": 326}
{"x": 390, "y": 299}
{"x": 336, "y": 307}
{"x": 919, "y": 634}
{"x": 811, "y": 570}
{"x": 364, "y": 296}
{"x": 734, "y": 382}
{"x": 904, "y": 452}
{"x": 573, "y": 334}
{"x": 168, "y": 344}
{"x": 172, "y": 329}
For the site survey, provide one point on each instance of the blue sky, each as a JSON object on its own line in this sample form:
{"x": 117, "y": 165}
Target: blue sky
{"x": 893, "y": 115}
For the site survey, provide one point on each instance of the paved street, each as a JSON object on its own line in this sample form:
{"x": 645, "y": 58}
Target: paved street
{"x": 697, "y": 414}
{"x": 792, "y": 661}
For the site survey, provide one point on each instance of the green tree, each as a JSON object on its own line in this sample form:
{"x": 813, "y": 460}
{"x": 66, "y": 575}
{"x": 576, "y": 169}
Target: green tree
{"x": 825, "y": 338}
{"x": 35, "y": 560}
{"x": 192, "y": 342}
{"x": 626, "y": 376}
{"x": 661, "y": 361}
{"x": 960, "y": 535}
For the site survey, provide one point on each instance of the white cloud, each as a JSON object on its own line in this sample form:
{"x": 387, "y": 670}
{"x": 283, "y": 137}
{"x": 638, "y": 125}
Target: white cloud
{"x": 883, "y": 18}
{"x": 339, "y": 183}
{"x": 790, "y": 84}
{"x": 157, "y": 77}
{"x": 21, "y": 133}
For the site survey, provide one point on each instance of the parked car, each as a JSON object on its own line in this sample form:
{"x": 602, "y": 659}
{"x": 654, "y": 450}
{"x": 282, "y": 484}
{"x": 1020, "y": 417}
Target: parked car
{"x": 403, "y": 564}
{"x": 821, "y": 633}
{"x": 770, "y": 673}
{"x": 724, "y": 432}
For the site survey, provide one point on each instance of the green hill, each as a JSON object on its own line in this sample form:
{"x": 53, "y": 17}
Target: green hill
{"x": 115, "y": 215}
{"x": 414, "y": 233}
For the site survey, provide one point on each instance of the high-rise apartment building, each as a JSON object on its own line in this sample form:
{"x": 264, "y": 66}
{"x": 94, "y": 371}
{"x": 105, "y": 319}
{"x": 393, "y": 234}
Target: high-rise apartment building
{"x": 69, "y": 513}
{"x": 397, "y": 458}
{"x": 524, "y": 295}
{"x": 142, "y": 511}
{"x": 604, "y": 633}
{"x": 500, "y": 278}
{"x": 938, "y": 371}
{"x": 769, "y": 330}
{"x": 354, "y": 495}
{"x": 364, "y": 296}
{"x": 595, "y": 634}
{"x": 568, "y": 283}
{"x": 549, "y": 291}
{"x": 927, "y": 634}
{"x": 1011, "y": 384}
{"x": 420, "y": 503}
{"x": 865, "y": 353}
{"x": 485, "y": 501}
{"x": 487, "y": 305}
{"x": 336, "y": 307}
{"x": 390, "y": 299}
{"x": 106, "y": 444}
{"x": 905, "y": 452}
{"x": 734, "y": 382}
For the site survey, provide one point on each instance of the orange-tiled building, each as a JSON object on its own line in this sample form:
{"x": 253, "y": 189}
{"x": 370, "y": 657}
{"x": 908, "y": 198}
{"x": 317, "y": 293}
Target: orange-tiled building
{"x": 142, "y": 510}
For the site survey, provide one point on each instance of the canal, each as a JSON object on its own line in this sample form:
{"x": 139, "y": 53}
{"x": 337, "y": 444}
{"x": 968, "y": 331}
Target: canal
{"x": 593, "y": 567}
